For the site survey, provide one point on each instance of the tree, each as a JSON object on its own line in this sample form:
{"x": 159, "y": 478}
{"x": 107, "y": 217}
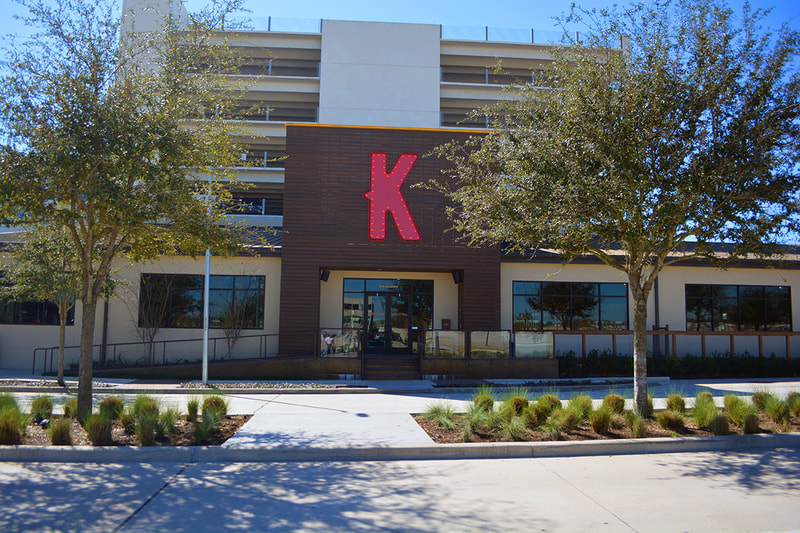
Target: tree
{"x": 97, "y": 138}
{"x": 672, "y": 127}
{"x": 45, "y": 268}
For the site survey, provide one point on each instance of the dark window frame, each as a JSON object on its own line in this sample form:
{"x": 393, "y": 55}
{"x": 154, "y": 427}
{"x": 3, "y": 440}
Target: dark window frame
{"x": 193, "y": 283}
{"x": 710, "y": 299}
{"x": 569, "y": 292}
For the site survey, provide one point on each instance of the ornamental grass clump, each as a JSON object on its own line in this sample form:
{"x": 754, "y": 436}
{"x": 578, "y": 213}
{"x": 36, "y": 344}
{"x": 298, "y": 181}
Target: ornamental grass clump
{"x": 514, "y": 429}
{"x": 71, "y": 408}
{"x": 704, "y": 396}
{"x": 615, "y": 403}
{"x": 704, "y": 411}
{"x": 111, "y": 407}
{"x": 441, "y": 413}
{"x": 145, "y": 405}
{"x": 147, "y": 428}
{"x": 192, "y": 409}
{"x": 793, "y": 401}
{"x": 638, "y": 427}
{"x": 600, "y": 419}
{"x": 513, "y": 407}
{"x": 167, "y": 422}
{"x": 718, "y": 424}
{"x": 731, "y": 402}
{"x": 778, "y": 411}
{"x": 60, "y": 432}
{"x": 98, "y": 429}
{"x": 550, "y": 402}
{"x": 217, "y": 404}
{"x": 745, "y": 415}
{"x": 582, "y": 404}
{"x": 760, "y": 399}
{"x": 7, "y": 401}
{"x": 535, "y": 415}
{"x": 671, "y": 420}
{"x": 12, "y": 423}
{"x": 207, "y": 427}
{"x": 675, "y": 402}
{"x": 484, "y": 402}
{"x": 42, "y": 408}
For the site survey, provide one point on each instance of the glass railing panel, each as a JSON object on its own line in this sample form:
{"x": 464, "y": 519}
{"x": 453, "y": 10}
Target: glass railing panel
{"x": 444, "y": 343}
{"x": 529, "y": 344}
{"x": 490, "y": 344}
{"x": 340, "y": 342}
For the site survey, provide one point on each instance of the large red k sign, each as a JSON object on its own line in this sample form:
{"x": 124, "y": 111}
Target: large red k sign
{"x": 385, "y": 195}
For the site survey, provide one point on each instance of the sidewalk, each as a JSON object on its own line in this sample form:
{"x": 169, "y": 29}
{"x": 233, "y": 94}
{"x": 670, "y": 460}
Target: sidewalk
{"x": 371, "y": 420}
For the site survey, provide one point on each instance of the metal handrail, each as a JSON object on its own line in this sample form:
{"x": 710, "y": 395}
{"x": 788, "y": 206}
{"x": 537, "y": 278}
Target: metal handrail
{"x": 262, "y": 347}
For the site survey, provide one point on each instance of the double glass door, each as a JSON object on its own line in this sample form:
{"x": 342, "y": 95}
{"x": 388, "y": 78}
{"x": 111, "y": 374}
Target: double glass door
{"x": 388, "y": 326}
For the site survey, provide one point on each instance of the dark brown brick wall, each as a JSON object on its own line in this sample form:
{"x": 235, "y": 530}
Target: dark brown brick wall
{"x": 326, "y": 224}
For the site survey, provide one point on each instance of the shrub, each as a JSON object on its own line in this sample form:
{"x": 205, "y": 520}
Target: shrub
{"x": 217, "y": 404}
{"x": 12, "y": 425}
{"x": 615, "y": 403}
{"x": 146, "y": 428}
{"x": 675, "y": 402}
{"x": 145, "y": 405}
{"x": 582, "y": 404}
{"x": 484, "y": 402}
{"x": 111, "y": 408}
{"x": 71, "y": 408}
{"x": 441, "y": 413}
{"x": 732, "y": 402}
{"x": 760, "y": 399}
{"x": 60, "y": 432}
{"x": 192, "y": 408}
{"x": 535, "y": 415}
{"x": 718, "y": 424}
{"x": 98, "y": 429}
{"x": 600, "y": 419}
{"x": 703, "y": 412}
{"x": 777, "y": 410}
{"x": 793, "y": 401}
{"x": 550, "y": 402}
{"x": 638, "y": 427}
{"x": 42, "y": 408}
{"x": 671, "y": 420}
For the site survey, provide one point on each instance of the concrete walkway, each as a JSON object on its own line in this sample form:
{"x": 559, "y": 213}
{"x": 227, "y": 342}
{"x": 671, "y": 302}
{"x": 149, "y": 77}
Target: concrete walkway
{"x": 371, "y": 420}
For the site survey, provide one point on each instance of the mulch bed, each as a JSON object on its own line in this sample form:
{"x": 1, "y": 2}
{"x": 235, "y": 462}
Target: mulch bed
{"x": 35, "y": 435}
{"x": 585, "y": 432}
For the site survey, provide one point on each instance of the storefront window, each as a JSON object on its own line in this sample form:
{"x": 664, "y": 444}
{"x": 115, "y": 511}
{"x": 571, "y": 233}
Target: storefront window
{"x": 738, "y": 308}
{"x": 176, "y": 301}
{"x": 570, "y": 306}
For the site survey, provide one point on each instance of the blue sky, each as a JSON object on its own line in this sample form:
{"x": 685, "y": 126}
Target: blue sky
{"x": 495, "y": 13}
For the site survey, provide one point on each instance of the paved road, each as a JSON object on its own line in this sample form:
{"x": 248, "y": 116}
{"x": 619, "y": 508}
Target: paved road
{"x": 758, "y": 491}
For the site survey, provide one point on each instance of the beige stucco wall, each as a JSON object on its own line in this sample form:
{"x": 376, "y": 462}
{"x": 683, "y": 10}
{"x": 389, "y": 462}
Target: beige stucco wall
{"x": 672, "y": 301}
{"x": 17, "y": 342}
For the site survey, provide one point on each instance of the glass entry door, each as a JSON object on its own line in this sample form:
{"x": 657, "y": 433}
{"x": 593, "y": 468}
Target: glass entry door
{"x": 388, "y": 326}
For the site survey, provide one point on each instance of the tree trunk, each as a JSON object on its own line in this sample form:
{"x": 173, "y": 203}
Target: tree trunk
{"x": 640, "y": 354}
{"x": 89, "y": 309}
{"x": 62, "y": 319}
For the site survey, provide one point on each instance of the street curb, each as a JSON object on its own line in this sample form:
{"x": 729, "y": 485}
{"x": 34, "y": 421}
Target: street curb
{"x": 222, "y": 454}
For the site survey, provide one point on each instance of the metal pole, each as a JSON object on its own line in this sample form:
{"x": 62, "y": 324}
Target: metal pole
{"x": 206, "y": 283}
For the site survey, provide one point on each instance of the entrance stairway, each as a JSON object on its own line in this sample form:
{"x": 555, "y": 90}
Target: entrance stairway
{"x": 391, "y": 366}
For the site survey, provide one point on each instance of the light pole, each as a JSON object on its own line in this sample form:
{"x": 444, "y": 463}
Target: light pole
{"x": 206, "y": 284}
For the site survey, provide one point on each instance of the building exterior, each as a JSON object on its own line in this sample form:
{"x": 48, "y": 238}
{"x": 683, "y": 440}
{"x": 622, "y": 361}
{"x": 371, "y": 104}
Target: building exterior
{"x": 362, "y": 257}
